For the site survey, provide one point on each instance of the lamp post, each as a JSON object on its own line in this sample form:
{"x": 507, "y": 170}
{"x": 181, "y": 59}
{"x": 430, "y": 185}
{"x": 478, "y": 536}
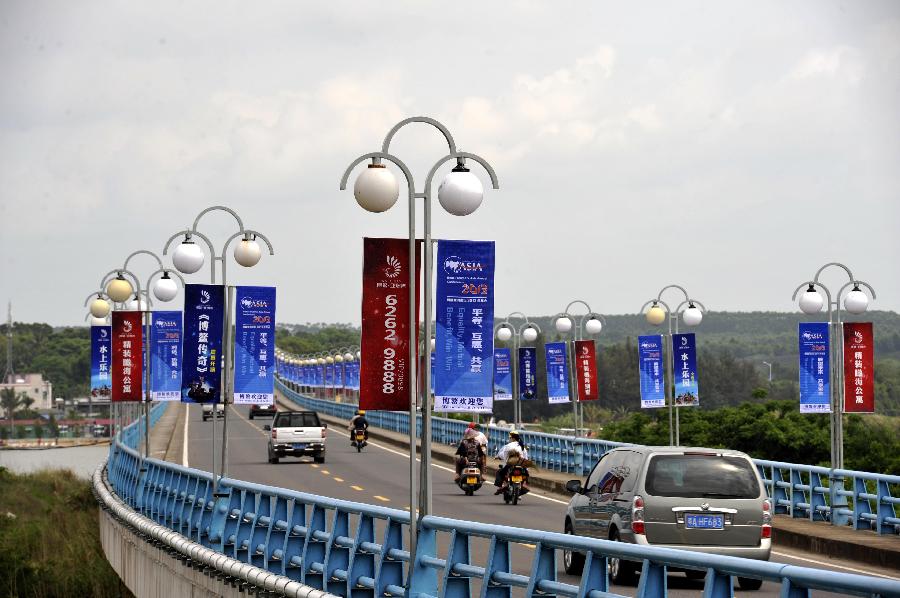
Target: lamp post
{"x": 766, "y": 363}
{"x": 691, "y": 311}
{"x": 855, "y": 302}
{"x": 188, "y": 258}
{"x": 592, "y": 323}
{"x": 505, "y": 331}
{"x": 461, "y": 192}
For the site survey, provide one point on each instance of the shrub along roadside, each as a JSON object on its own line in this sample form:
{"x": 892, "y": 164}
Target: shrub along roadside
{"x": 50, "y": 538}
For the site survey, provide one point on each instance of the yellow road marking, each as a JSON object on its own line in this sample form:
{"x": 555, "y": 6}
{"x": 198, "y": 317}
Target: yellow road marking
{"x": 381, "y": 498}
{"x": 531, "y": 546}
{"x": 358, "y": 488}
{"x": 337, "y": 479}
{"x": 325, "y": 471}
{"x": 314, "y": 465}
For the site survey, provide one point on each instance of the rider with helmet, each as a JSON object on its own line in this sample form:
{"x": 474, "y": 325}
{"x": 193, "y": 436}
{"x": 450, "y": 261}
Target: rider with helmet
{"x": 481, "y": 439}
{"x": 512, "y": 453}
{"x": 469, "y": 450}
{"x": 358, "y": 423}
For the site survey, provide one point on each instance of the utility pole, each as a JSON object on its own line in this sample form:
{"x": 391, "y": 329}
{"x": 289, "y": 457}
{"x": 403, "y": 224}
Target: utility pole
{"x": 10, "y": 375}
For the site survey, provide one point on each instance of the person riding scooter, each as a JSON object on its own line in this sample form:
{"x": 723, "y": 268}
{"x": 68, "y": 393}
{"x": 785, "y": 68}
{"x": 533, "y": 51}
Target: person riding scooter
{"x": 469, "y": 451}
{"x": 512, "y": 453}
{"x": 358, "y": 423}
{"x": 482, "y": 440}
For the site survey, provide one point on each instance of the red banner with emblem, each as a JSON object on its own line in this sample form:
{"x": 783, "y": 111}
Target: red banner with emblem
{"x": 859, "y": 376}
{"x": 586, "y": 371}
{"x": 385, "y": 370}
{"x": 127, "y": 356}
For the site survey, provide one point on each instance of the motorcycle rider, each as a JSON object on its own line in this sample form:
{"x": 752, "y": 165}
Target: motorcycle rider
{"x": 358, "y": 423}
{"x": 512, "y": 453}
{"x": 482, "y": 440}
{"x": 468, "y": 449}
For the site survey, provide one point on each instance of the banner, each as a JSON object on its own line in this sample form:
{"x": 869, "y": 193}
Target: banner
{"x": 815, "y": 396}
{"x": 502, "y": 375}
{"x": 101, "y": 339}
{"x": 527, "y": 373}
{"x": 204, "y": 309}
{"x": 254, "y": 346}
{"x": 557, "y": 373}
{"x": 586, "y": 371}
{"x": 165, "y": 358}
{"x": 127, "y": 356}
{"x": 684, "y": 369}
{"x": 859, "y": 359}
{"x": 464, "y": 322}
{"x": 652, "y": 375}
{"x": 385, "y": 370}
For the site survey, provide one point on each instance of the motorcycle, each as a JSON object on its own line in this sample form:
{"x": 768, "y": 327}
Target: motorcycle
{"x": 359, "y": 439}
{"x": 471, "y": 479}
{"x": 514, "y": 487}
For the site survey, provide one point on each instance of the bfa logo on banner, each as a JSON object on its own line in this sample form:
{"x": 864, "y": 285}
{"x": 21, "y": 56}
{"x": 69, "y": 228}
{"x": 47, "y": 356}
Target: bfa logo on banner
{"x": 104, "y": 333}
{"x": 251, "y": 303}
{"x": 126, "y": 327}
{"x": 392, "y": 270}
{"x": 455, "y": 265}
{"x": 204, "y": 297}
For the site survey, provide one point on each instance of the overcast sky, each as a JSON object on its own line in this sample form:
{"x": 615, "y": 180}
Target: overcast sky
{"x": 731, "y": 147}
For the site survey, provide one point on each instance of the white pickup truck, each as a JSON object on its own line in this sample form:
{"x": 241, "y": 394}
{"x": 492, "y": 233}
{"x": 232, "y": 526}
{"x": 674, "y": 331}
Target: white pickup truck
{"x": 296, "y": 434}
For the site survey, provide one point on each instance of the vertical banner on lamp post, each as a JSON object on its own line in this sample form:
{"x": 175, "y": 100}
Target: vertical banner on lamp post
{"x": 101, "y": 339}
{"x": 650, "y": 362}
{"x": 165, "y": 356}
{"x": 859, "y": 377}
{"x": 385, "y": 370}
{"x": 254, "y": 347}
{"x": 815, "y": 395}
{"x": 586, "y": 371}
{"x": 127, "y": 356}
{"x": 684, "y": 349}
{"x": 502, "y": 375}
{"x": 464, "y": 320}
{"x": 527, "y": 373}
{"x": 557, "y": 373}
{"x": 204, "y": 312}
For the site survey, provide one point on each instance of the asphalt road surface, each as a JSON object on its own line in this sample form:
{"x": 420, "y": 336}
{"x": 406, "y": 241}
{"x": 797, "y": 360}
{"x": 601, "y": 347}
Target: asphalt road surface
{"x": 379, "y": 475}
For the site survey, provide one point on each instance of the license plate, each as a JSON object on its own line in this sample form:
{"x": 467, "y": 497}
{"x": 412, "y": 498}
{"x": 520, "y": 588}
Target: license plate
{"x": 471, "y": 480}
{"x": 299, "y": 446}
{"x": 516, "y": 479}
{"x": 697, "y": 521}
{"x": 359, "y": 437}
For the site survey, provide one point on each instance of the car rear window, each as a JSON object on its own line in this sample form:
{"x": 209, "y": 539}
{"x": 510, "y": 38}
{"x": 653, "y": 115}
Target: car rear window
{"x": 698, "y": 476}
{"x": 297, "y": 420}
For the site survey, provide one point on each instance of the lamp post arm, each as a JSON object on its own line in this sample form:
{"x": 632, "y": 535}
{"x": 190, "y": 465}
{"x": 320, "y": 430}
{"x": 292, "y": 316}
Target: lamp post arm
{"x": 671, "y": 286}
{"x": 837, "y": 264}
{"x": 212, "y": 250}
{"x": 145, "y": 252}
{"x": 689, "y": 302}
{"x": 837, "y": 299}
{"x": 163, "y": 271}
{"x": 101, "y": 294}
{"x": 518, "y": 314}
{"x": 134, "y": 279}
{"x": 385, "y": 147}
{"x": 455, "y": 155}
{"x": 221, "y": 209}
{"x": 529, "y": 325}
{"x": 821, "y": 286}
{"x": 577, "y": 301}
{"x": 652, "y": 301}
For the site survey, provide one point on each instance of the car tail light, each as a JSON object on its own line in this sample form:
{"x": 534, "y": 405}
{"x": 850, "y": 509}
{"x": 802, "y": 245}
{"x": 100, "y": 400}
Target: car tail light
{"x": 637, "y": 515}
{"x": 766, "y": 529}
{"x": 274, "y": 433}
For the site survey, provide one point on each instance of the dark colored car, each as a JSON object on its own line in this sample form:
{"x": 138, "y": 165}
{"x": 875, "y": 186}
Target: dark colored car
{"x": 257, "y": 410}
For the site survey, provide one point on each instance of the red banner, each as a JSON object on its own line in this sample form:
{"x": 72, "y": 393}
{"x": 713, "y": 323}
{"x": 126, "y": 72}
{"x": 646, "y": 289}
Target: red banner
{"x": 586, "y": 371}
{"x": 859, "y": 377}
{"x": 385, "y": 369}
{"x": 127, "y": 356}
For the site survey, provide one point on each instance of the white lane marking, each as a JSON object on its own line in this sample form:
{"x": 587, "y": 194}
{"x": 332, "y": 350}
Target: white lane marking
{"x": 184, "y": 442}
{"x": 532, "y": 493}
{"x": 829, "y": 564}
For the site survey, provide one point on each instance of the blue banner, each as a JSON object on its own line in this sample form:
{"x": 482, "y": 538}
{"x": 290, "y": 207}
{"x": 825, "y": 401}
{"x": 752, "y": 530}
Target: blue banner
{"x": 204, "y": 310}
{"x": 815, "y": 387}
{"x": 527, "y": 373}
{"x": 557, "y": 373}
{"x": 165, "y": 356}
{"x": 684, "y": 369}
{"x": 352, "y": 372}
{"x": 464, "y": 316}
{"x": 502, "y": 375}
{"x": 652, "y": 374}
{"x": 254, "y": 347}
{"x": 101, "y": 339}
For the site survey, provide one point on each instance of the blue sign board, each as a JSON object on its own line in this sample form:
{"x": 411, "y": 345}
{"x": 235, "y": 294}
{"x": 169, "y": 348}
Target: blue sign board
{"x": 684, "y": 369}
{"x": 165, "y": 356}
{"x": 502, "y": 375}
{"x": 101, "y": 339}
{"x": 557, "y": 373}
{"x": 652, "y": 374}
{"x": 254, "y": 348}
{"x": 464, "y": 316}
{"x": 527, "y": 373}
{"x": 204, "y": 311}
{"x": 814, "y": 368}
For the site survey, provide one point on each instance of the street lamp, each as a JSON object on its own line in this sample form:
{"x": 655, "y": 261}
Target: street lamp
{"x": 657, "y": 312}
{"x": 766, "y": 363}
{"x": 506, "y": 331}
{"x": 592, "y": 323}
{"x": 376, "y": 190}
{"x": 855, "y": 302}
{"x": 188, "y": 258}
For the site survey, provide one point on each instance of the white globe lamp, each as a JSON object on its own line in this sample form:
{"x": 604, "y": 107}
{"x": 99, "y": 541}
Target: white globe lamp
{"x": 136, "y": 304}
{"x": 433, "y": 344}
{"x": 100, "y": 308}
{"x": 692, "y": 316}
{"x": 338, "y": 358}
{"x": 348, "y": 356}
{"x": 376, "y": 188}
{"x": 656, "y": 315}
{"x": 119, "y": 289}
{"x": 530, "y": 335}
{"x": 188, "y": 257}
{"x": 461, "y": 192}
{"x": 95, "y": 321}
{"x": 358, "y": 354}
{"x": 563, "y": 324}
{"x": 504, "y": 333}
{"x": 811, "y": 301}
{"x": 329, "y": 359}
{"x": 165, "y": 288}
{"x": 247, "y": 253}
{"x": 593, "y": 326}
{"x": 856, "y": 302}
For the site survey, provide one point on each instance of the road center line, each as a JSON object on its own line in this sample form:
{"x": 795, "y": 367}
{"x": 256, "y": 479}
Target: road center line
{"x": 337, "y": 479}
{"x": 381, "y": 498}
{"x": 357, "y": 488}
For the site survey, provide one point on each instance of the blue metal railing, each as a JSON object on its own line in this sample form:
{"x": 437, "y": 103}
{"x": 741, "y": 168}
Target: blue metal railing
{"x": 356, "y": 550}
{"x": 865, "y": 501}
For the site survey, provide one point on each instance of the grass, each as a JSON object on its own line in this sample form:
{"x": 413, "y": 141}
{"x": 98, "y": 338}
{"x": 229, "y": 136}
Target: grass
{"x": 50, "y": 538}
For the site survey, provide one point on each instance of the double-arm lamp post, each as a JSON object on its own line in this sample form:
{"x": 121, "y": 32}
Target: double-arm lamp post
{"x": 506, "y": 331}
{"x": 376, "y": 190}
{"x": 691, "y": 312}
{"x": 592, "y": 323}
{"x": 855, "y": 302}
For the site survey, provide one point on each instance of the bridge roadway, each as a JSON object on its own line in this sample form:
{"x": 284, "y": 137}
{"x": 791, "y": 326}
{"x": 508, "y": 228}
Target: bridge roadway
{"x": 379, "y": 475}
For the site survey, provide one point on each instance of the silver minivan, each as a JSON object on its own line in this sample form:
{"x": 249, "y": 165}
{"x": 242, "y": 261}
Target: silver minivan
{"x": 699, "y": 499}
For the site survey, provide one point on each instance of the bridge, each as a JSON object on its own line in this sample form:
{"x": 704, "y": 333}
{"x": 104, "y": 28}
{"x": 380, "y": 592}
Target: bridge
{"x": 303, "y": 529}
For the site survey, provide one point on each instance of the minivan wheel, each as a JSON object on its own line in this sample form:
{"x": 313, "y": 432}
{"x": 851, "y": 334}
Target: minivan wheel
{"x": 749, "y": 583}
{"x": 573, "y": 561}
{"x": 621, "y": 572}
